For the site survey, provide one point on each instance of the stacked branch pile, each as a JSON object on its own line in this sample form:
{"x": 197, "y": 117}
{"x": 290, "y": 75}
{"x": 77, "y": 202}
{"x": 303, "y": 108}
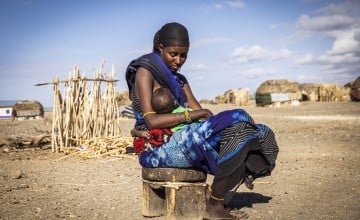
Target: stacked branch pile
{"x": 85, "y": 114}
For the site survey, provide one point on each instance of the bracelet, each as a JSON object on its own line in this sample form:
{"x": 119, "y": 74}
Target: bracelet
{"x": 187, "y": 116}
{"x": 148, "y": 113}
{"x": 216, "y": 198}
{"x": 178, "y": 117}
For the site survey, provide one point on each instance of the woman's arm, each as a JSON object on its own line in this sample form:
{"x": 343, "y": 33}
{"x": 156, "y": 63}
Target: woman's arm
{"x": 192, "y": 101}
{"x": 144, "y": 86}
{"x": 194, "y": 104}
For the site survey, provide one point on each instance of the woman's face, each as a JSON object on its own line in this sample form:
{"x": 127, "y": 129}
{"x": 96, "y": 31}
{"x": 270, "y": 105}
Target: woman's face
{"x": 174, "y": 57}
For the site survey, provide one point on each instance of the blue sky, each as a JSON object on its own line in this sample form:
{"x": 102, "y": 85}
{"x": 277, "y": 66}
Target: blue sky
{"x": 234, "y": 44}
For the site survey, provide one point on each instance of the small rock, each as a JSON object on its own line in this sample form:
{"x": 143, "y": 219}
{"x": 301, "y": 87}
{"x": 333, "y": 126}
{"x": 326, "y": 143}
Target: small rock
{"x": 17, "y": 174}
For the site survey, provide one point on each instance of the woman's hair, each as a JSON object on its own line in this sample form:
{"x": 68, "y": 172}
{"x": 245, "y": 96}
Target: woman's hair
{"x": 162, "y": 101}
{"x": 156, "y": 42}
{"x": 171, "y": 34}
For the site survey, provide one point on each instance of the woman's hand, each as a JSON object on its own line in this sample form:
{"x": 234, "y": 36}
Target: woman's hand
{"x": 200, "y": 114}
{"x": 207, "y": 113}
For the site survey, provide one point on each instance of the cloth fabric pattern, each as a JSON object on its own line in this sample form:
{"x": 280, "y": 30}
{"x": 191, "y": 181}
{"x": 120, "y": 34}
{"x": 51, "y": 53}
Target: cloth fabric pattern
{"x": 156, "y": 137}
{"x": 179, "y": 109}
{"x": 221, "y": 144}
{"x": 198, "y": 144}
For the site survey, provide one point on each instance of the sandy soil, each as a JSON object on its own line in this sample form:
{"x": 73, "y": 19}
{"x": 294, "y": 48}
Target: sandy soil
{"x": 317, "y": 174}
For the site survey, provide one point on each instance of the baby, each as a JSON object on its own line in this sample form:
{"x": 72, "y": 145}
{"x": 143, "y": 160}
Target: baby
{"x": 162, "y": 102}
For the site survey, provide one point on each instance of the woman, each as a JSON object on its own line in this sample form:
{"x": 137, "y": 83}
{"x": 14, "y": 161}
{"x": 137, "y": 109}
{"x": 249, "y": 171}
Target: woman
{"x": 228, "y": 145}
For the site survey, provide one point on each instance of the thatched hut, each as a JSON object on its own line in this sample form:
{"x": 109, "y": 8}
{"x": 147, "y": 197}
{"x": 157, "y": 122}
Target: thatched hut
{"x": 310, "y": 91}
{"x": 234, "y": 96}
{"x": 355, "y": 90}
{"x": 277, "y": 91}
{"x": 356, "y": 83}
{"x": 122, "y": 98}
{"x": 331, "y": 92}
{"x": 27, "y": 109}
{"x": 325, "y": 92}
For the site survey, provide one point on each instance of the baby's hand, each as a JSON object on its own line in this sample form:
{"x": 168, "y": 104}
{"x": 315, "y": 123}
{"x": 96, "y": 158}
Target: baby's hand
{"x": 143, "y": 133}
{"x": 139, "y": 133}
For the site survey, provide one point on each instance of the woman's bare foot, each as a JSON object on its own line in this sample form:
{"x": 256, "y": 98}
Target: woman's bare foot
{"x": 215, "y": 211}
{"x": 238, "y": 214}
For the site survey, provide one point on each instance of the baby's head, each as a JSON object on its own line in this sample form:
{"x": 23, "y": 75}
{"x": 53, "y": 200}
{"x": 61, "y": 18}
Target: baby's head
{"x": 162, "y": 101}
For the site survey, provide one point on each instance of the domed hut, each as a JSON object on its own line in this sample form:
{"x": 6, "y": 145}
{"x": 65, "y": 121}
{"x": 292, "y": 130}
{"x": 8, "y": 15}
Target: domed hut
{"x": 277, "y": 91}
{"x": 310, "y": 91}
{"x": 238, "y": 97}
{"x": 27, "y": 109}
{"x": 355, "y": 90}
{"x": 331, "y": 92}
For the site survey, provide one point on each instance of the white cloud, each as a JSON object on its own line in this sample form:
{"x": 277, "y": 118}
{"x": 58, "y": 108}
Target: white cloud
{"x": 281, "y": 54}
{"x": 210, "y": 41}
{"x": 275, "y": 26}
{"x": 305, "y": 59}
{"x": 257, "y": 53}
{"x": 340, "y": 16}
{"x": 302, "y": 77}
{"x": 345, "y": 42}
{"x": 324, "y": 23}
{"x": 248, "y": 54}
{"x": 225, "y": 4}
{"x": 351, "y": 7}
{"x": 217, "y": 6}
{"x": 197, "y": 78}
{"x": 259, "y": 72}
{"x": 235, "y": 4}
{"x": 341, "y": 23}
{"x": 197, "y": 67}
{"x": 339, "y": 59}
{"x": 341, "y": 74}
{"x": 345, "y": 49}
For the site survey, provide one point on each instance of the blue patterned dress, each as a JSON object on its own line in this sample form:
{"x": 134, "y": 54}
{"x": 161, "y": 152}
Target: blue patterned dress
{"x": 220, "y": 144}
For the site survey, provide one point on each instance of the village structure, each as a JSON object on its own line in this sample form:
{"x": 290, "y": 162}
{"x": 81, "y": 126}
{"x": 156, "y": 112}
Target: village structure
{"x": 87, "y": 111}
{"x": 87, "y": 117}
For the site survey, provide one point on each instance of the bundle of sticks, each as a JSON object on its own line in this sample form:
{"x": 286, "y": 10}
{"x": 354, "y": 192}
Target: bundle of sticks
{"x": 88, "y": 114}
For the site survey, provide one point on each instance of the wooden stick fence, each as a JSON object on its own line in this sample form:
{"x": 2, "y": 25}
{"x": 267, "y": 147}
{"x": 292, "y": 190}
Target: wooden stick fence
{"x": 85, "y": 114}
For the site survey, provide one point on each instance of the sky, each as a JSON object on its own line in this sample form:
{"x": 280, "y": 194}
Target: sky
{"x": 233, "y": 44}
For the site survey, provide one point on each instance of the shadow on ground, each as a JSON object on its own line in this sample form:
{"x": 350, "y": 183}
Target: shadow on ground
{"x": 247, "y": 199}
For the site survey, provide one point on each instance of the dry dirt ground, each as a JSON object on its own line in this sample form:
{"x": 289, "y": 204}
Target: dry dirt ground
{"x": 317, "y": 174}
